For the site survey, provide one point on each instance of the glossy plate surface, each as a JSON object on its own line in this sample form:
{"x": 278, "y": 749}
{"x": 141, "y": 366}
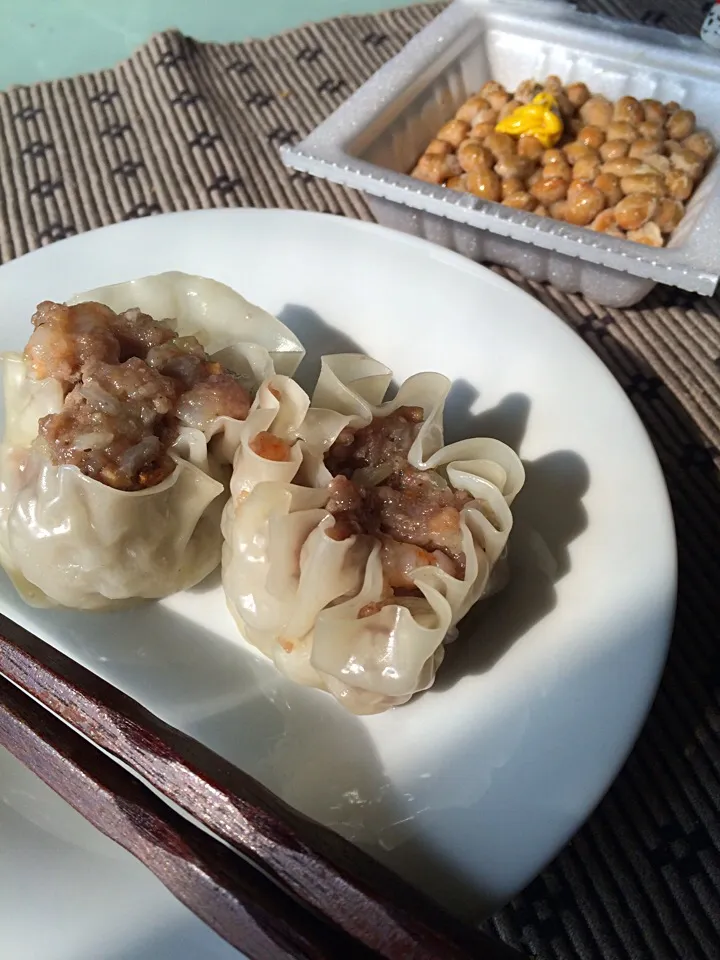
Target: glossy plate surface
{"x": 473, "y": 786}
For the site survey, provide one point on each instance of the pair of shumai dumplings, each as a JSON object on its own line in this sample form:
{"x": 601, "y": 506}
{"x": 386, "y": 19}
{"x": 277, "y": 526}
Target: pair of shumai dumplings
{"x": 139, "y": 454}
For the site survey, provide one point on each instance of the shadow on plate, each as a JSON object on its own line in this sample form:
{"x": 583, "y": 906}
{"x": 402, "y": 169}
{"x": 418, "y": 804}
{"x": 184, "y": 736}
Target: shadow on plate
{"x": 187, "y": 940}
{"x": 548, "y": 515}
{"x": 318, "y": 338}
{"x": 295, "y": 740}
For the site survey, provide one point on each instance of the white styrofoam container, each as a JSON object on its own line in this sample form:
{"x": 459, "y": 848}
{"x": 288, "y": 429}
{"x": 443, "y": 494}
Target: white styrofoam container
{"x": 377, "y": 134}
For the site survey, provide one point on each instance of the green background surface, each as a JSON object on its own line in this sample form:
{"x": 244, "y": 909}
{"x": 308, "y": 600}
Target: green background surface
{"x": 43, "y": 39}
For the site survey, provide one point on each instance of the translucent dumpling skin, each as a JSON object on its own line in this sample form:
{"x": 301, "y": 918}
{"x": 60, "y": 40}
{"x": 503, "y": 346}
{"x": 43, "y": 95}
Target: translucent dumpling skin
{"x": 123, "y": 416}
{"x": 352, "y": 571}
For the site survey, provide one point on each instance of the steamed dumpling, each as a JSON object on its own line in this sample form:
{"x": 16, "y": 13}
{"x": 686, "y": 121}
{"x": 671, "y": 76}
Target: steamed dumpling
{"x": 352, "y": 573}
{"x": 120, "y": 427}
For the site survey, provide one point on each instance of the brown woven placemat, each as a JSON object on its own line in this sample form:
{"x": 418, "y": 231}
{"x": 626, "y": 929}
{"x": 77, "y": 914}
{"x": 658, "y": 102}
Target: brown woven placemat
{"x": 183, "y": 125}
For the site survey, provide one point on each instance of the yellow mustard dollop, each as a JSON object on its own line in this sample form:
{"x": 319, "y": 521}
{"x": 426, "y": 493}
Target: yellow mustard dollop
{"x": 540, "y": 118}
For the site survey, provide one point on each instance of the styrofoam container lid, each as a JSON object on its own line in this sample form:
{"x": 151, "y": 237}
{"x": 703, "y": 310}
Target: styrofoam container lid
{"x": 526, "y": 38}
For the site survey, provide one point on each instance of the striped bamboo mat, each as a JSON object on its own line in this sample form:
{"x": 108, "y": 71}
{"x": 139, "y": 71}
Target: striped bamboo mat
{"x": 183, "y": 125}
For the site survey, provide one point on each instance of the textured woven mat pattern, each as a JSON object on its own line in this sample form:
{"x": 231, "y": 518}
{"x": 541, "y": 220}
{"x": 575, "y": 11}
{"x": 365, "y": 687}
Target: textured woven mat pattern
{"x": 182, "y": 125}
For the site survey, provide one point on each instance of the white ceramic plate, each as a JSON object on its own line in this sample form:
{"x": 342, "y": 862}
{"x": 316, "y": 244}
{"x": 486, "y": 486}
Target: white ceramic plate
{"x": 472, "y": 787}
{"x": 69, "y": 893}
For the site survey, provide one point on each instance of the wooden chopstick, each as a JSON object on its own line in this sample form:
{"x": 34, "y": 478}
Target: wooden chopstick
{"x": 308, "y": 862}
{"x": 225, "y": 891}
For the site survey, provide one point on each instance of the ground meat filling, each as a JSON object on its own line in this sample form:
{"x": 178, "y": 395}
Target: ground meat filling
{"x": 414, "y": 513}
{"x": 210, "y": 391}
{"x": 221, "y": 395}
{"x": 115, "y": 448}
{"x": 182, "y": 358}
{"x": 137, "y": 333}
{"x": 114, "y": 387}
{"x": 129, "y": 384}
{"x": 66, "y": 338}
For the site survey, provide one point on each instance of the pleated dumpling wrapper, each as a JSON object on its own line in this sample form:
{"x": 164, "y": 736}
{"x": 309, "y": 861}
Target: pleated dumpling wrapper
{"x": 352, "y": 565}
{"x": 119, "y": 432}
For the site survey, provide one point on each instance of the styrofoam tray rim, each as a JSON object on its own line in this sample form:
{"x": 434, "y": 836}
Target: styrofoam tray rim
{"x": 472, "y": 211}
{"x": 690, "y": 265}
